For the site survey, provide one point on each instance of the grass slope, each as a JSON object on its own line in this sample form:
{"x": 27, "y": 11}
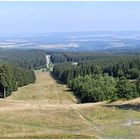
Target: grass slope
{"x": 47, "y": 109}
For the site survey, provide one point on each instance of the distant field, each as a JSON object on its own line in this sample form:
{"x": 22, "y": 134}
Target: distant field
{"x": 47, "y": 109}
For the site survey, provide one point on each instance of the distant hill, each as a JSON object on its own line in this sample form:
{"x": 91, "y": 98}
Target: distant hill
{"x": 124, "y": 41}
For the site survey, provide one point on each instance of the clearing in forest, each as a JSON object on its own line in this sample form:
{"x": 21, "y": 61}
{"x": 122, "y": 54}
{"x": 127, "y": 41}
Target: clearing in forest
{"x": 47, "y": 109}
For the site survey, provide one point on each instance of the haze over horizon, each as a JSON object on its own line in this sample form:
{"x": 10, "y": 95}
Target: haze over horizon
{"x": 42, "y": 17}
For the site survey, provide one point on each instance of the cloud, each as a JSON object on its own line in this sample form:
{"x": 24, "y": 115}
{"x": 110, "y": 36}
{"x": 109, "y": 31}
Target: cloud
{"x": 16, "y": 40}
{"x": 88, "y": 40}
{"x": 134, "y": 37}
{"x": 59, "y": 46}
{"x": 15, "y": 45}
{"x": 94, "y": 35}
{"x": 118, "y": 45}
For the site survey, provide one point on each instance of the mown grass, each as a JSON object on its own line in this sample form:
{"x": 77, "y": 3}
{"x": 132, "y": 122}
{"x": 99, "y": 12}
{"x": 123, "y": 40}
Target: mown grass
{"x": 45, "y": 88}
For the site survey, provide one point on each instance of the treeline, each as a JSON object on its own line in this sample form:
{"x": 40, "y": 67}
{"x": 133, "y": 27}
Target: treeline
{"x": 35, "y": 59}
{"x": 100, "y": 88}
{"x": 27, "y": 59}
{"x": 64, "y": 57}
{"x": 12, "y": 77}
{"x": 128, "y": 67}
{"x": 120, "y": 69}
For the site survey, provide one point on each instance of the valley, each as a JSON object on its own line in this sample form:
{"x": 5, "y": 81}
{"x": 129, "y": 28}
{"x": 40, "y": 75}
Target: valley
{"x": 69, "y": 69}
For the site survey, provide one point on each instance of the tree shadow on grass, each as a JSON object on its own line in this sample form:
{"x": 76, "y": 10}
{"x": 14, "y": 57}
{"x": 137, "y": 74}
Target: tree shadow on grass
{"x": 77, "y": 97}
{"x": 67, "y": 90}
{"x": 56, "y": 79}
{"x": 135, "y": 107}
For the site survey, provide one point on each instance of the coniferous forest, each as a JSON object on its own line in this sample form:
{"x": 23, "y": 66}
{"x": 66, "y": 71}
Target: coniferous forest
{"x": 12, "y": 77}
{"x": 35, "y": 59}
{"x": 97, "y": 77}
{"x": 16, "y": 69}
{"x": 102, "y": 79}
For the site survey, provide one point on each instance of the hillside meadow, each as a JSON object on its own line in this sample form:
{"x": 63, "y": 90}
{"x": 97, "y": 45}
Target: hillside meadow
{"x": 48, "y": 109}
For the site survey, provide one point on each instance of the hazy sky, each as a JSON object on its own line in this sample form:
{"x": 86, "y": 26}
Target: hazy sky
{"x": 41, "y": 17}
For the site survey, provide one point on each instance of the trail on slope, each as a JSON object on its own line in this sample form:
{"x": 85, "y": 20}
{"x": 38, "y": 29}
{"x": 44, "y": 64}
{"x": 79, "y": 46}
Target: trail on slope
{"x": 44, "y": 89}
{"x": 49, "y": 107}
{"x": 48, "y": 95}
{"x": 45, "y": 92}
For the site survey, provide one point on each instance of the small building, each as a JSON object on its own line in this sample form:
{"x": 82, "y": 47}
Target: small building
{"x": 2, "y": 91}
{"x": 48, "y": 60}
{"x": 75, "y": 63}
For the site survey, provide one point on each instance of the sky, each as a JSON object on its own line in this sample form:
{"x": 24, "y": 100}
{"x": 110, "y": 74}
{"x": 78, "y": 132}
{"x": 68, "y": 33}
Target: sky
{"x": 42, "y": 17}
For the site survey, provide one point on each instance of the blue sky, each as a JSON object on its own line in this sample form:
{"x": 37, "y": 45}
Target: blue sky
{"x": 42, "y": 17}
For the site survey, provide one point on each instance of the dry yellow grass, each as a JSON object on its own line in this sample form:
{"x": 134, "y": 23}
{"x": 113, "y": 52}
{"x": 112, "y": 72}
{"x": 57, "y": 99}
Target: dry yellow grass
{"x": 41, "y": 110}
{"x": 45, "y": 89}
{"x": 47, "y": 109}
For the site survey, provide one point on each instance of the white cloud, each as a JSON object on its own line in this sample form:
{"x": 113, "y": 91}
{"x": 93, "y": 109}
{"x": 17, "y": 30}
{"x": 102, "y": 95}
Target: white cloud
{"x": 7, "y": 46}
{"x": 92, "y": 36}
{"x": 16, "y": 40}
{"x": 93, "y": 40}
{"x": 6, "y": 43}
{"x": 117, "y": 45}
{"x": 134, "y": 36}
{"x": 15, "y": 45}
{"x": 59, "y": 46}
